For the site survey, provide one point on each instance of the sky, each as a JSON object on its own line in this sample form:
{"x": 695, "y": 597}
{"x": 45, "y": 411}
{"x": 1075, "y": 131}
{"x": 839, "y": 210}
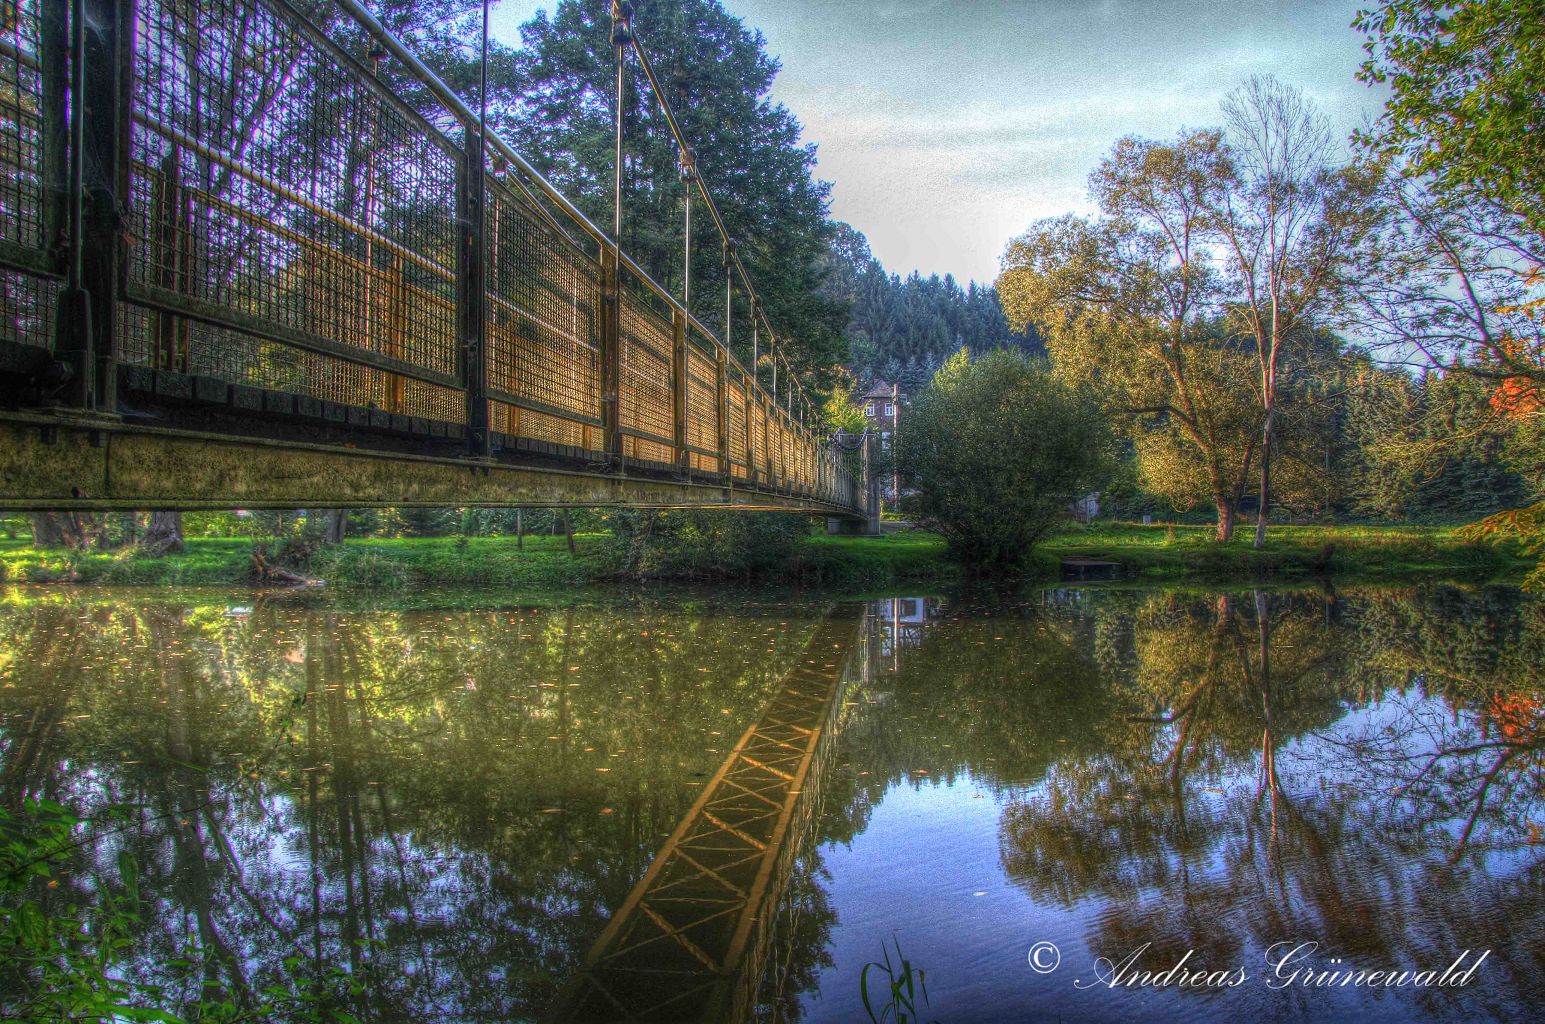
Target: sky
{"x": 947, "y": 126}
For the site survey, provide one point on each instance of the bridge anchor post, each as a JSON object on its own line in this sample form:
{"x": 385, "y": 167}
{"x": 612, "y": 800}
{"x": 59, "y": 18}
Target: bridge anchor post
{"x": 871, "y": 488}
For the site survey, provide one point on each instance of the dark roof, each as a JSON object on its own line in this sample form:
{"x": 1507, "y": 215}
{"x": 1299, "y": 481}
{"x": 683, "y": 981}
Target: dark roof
{"x": 879, "y": 389}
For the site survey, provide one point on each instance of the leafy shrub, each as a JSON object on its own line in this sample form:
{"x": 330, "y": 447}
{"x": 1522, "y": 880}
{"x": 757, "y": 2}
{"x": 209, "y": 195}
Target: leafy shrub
{"x": 997, "y": 449}
{"x": 692, "y": 544}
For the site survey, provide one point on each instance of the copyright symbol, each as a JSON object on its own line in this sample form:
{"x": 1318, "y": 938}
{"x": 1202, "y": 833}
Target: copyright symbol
{"x": 1044, "y": 957}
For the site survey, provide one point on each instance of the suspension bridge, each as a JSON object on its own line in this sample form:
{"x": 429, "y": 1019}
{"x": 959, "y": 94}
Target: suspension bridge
{"x": 257, "y": 254}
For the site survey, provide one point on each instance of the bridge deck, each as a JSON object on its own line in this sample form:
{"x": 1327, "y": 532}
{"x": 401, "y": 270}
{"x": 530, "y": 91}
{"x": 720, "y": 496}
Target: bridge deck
{"x": 58, "y": 461}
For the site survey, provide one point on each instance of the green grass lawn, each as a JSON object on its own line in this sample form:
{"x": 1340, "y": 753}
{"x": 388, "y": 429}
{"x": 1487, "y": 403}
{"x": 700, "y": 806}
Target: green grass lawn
{"x": 905, "y": 555}
{"x": 1156, "y": 553}
{"x": 416, "y": 562}
{"x": 1172, "y": 552}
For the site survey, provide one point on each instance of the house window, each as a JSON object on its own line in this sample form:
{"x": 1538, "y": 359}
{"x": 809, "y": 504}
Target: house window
{"x": 869, "y": 409}
{"x": 890, "y": 409}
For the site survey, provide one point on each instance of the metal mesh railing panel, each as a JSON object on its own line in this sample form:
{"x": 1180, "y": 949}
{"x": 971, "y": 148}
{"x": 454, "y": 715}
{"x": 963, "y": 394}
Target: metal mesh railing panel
{"x": 780, "y": 450}
{"x": 539, "y": 426}
{"x": 737, "y": 419}
{"x": 541, "y": 314}
{"x": 645, "y": 378}
{"x": 208, "y": 350}
{"x": 27, "y": 305}
{"x": 642, "y": 449}
{"x": 702, "y": 401}
{"x": 277, "y": 190}
{"x": 24, "y": 170}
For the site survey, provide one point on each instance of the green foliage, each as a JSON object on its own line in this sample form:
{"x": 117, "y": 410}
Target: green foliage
{"x": 841, "y": 413}
{"x": 1524, "y": 525}
{"x": 68, "y": 942}
{"x": 692, "y": 544}
{"x": 1131, "y": 302}
{"x": 997, "y": 449}
{"x": 903, "y": 986}
{"x": 1430, "y": 450}
{"x": 60, "y": 947}
{"x": 423, "y": 522}
{"x": 1465, "y": 83}
{"x": 1197, "y": 301}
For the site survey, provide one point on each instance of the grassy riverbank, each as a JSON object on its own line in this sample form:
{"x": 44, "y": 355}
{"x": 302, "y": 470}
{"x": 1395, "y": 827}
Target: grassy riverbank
{"x": 1158, "y": 553}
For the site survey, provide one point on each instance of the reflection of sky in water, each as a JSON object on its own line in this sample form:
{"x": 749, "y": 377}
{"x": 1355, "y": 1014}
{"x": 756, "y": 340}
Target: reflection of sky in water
{"x": 929, "y": 872}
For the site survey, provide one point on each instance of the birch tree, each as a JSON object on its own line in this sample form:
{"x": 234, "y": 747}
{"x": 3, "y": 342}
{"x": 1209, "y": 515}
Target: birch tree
{"x": 1285, "y": 224}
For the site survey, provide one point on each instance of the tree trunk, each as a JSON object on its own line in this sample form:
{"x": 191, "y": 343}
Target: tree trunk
{"x": 1225, "y": 520}
{"x": 335, "y": 524}
{"x": 1265, "y": 503}
{"x": 46, "y": 531}
{"x": 60, "y": 529}
{"x": 163, "y": 536}
{"x": 520, "y": 532}
{"x": 568, "y": 529}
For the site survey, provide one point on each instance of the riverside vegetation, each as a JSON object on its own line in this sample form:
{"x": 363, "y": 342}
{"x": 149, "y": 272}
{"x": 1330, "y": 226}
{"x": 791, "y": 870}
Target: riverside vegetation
{"x": 1156, "y": 553}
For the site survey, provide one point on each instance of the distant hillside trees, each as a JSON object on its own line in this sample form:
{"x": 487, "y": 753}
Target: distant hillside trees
{"x": 902, "y": 330}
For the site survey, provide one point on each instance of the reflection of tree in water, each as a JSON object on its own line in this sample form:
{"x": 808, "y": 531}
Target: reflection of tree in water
{"x": 1235, "y": 802}
{"x": 1468, "y": 768}
{"x": 367, "y": 789}
{"x": 371, "y": 790}
{"x": 997, "y": 687}
{"x": 800, "y": 935}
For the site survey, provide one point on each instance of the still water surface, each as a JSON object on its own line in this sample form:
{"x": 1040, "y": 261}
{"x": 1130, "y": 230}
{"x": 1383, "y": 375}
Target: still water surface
{"x": 458, "y": 801}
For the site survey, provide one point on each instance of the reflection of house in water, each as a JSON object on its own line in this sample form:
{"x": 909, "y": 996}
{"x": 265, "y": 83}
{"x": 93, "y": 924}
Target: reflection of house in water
{"x": 902, "y": 622}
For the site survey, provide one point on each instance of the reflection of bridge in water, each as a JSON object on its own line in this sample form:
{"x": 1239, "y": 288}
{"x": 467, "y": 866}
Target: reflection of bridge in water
{"x": 253, "y": 255}
{"x": 690, "y": 942}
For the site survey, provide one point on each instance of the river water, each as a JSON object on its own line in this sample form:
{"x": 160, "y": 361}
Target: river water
{"x": 1076, "y": 804}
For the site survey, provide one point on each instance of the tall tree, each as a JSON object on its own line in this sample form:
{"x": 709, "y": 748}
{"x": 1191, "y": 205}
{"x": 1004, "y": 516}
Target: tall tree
{"x": 1456, "y": 274}
{"x": 1465, "y": 83}
{"x": 1450, "y": 279}
{"x": 1131, "y": 301}
{"x": 1285, "y": 220}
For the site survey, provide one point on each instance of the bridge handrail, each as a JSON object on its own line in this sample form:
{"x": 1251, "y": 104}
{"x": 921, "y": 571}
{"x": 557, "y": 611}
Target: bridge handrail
{"x": 325, "y": 248}
{"x": 470, "y": 121}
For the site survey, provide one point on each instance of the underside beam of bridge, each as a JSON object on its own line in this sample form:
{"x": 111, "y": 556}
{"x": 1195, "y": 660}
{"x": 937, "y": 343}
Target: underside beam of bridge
{"x": 64, "y": 462}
